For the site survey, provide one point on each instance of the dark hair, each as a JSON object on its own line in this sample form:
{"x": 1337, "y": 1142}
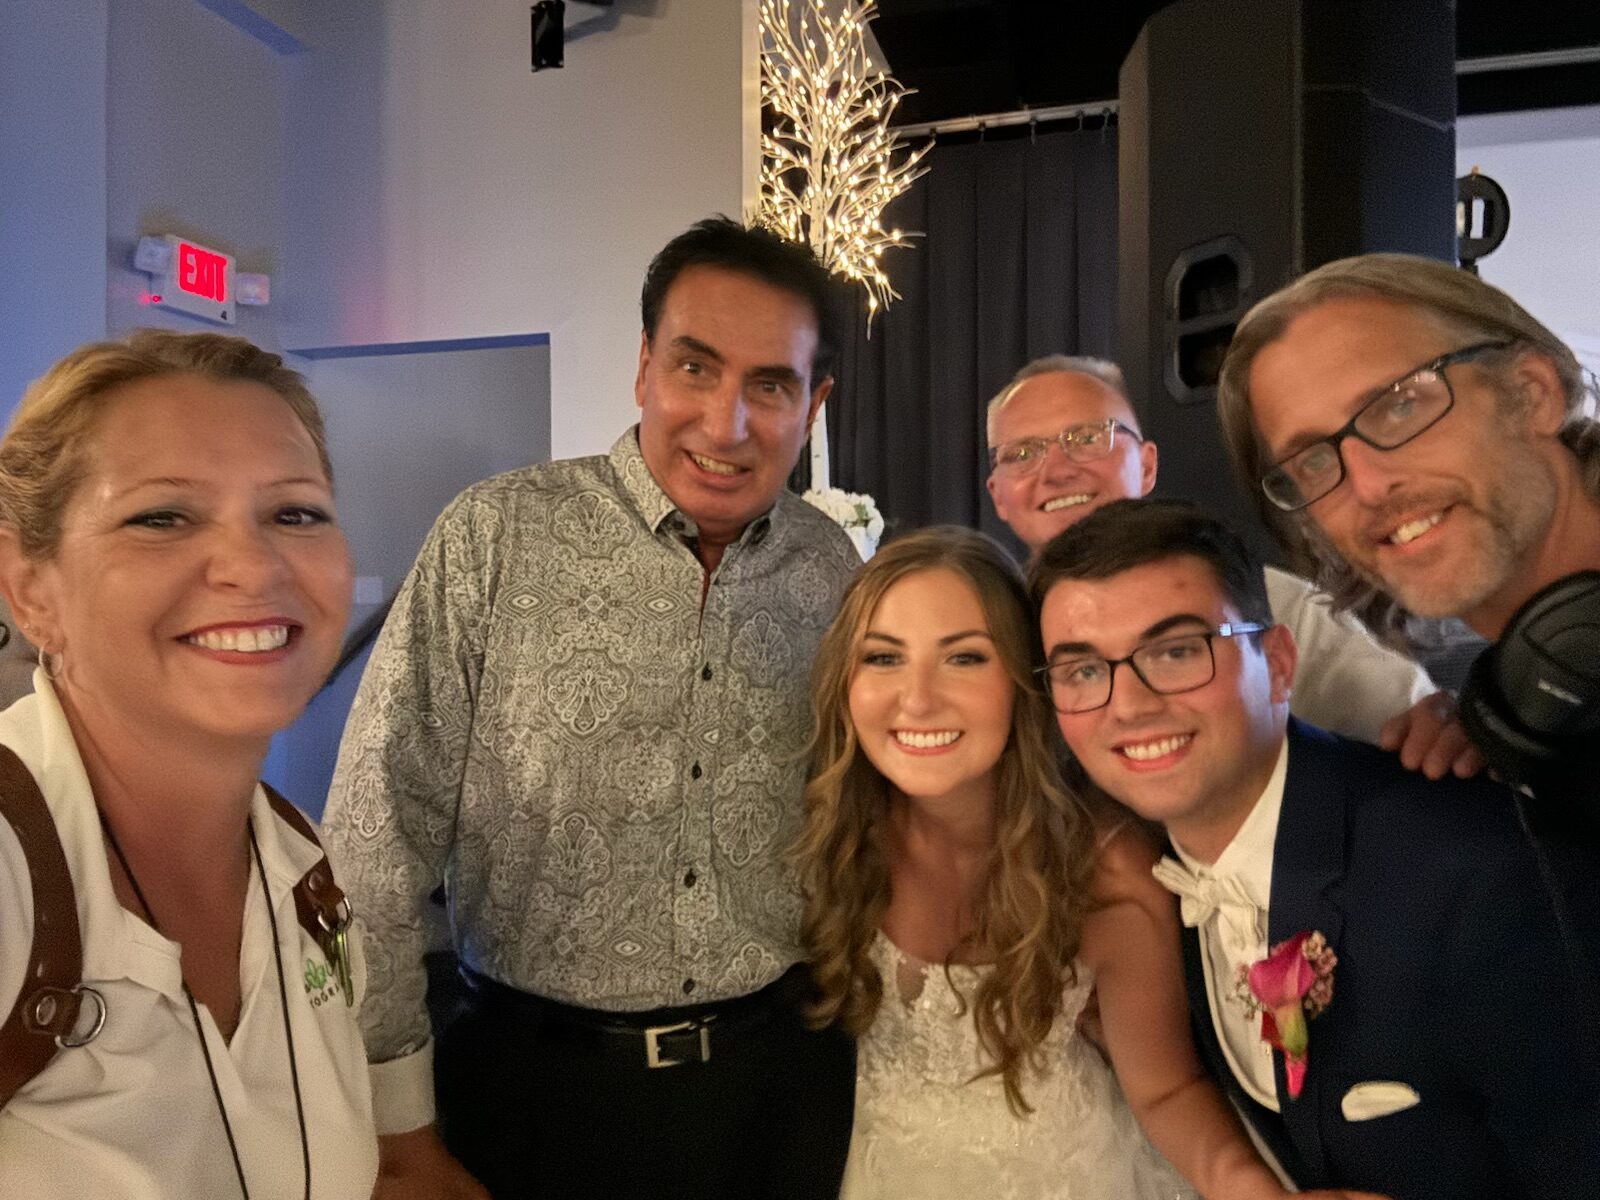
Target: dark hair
{"x": 1131, "y": 533}
{"x": 723, "y": 242}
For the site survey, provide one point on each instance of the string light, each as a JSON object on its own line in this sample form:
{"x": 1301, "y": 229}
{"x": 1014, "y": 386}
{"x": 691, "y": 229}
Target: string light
{"x": 828, "y": 164}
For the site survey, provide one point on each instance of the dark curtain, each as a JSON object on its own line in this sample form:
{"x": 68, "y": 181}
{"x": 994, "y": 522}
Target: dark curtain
{"x": 1019, "y": 260}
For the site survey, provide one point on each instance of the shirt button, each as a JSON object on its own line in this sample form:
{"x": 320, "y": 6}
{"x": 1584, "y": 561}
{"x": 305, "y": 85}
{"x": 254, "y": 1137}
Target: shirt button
{"x": 689, "y": 877}
{"x": 694, "y": 771}
{"x": 688, "y": 986}
{"x": 705, "y": 671}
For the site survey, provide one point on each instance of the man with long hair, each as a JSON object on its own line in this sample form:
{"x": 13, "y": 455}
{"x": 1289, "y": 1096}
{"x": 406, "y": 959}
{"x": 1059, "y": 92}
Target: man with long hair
{"x": 1422, "y": 444}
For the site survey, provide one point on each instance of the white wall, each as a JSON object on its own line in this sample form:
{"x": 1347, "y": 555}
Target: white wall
{"x": 441, "y": 189}
{"x": 52, "y": 184}
{"x": 403, "y": 175}
{"x": 194, "y": 146}
{"x": 1549, "y": 164}
{"x": 281, "y": 23}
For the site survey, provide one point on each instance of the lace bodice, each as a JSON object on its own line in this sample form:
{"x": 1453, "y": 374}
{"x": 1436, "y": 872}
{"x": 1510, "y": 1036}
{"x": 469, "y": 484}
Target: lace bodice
{"x": 925, "y": 1129}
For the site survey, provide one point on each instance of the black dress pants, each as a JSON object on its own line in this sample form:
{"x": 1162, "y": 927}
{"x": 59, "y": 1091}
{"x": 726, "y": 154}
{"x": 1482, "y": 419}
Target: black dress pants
{"x": 536, "y": 1102}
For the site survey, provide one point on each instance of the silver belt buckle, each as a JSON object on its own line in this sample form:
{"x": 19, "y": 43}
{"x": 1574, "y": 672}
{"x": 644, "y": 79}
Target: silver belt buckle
{"x": 652, "y": 1048}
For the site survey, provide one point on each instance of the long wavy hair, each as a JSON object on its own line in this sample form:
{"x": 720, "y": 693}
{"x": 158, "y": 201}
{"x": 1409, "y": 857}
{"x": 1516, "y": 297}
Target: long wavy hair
{"x": 1035, "y": 888}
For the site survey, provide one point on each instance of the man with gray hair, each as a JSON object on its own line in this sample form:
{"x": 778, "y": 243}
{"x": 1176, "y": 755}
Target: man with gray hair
{"x": 1426, "y": 446}
{"x": 1064, "y": 441}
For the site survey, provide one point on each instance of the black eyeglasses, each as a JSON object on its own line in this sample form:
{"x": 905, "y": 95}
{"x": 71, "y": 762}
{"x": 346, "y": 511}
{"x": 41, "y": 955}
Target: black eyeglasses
{"x": 1081, "y": 443}
{"x": 1167, "y": 666}
{"x": 1410, "y": 405}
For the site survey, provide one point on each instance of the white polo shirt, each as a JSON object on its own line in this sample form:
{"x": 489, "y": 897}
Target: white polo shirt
{"x": 131, "y": 1115}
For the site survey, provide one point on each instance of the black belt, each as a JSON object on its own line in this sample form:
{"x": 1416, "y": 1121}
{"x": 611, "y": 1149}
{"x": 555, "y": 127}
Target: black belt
{"x": 659, "y": 1037}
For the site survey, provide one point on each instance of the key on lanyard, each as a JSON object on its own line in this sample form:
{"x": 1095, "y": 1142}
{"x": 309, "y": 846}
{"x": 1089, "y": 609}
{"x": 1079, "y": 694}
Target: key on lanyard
{"x": 335, "y": 941}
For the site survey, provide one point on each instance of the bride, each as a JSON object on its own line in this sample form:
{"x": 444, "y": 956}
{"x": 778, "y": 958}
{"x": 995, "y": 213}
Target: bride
{"x": 961, "y": 906}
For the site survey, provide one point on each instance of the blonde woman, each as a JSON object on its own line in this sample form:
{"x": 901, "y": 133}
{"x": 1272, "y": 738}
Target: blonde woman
{"x": 168, "y": 540}
{"x": 960, "y": 907}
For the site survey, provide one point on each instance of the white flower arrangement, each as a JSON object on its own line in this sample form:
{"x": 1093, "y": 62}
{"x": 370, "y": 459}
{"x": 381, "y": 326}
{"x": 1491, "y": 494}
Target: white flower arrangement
{"x": 855, "y": 513}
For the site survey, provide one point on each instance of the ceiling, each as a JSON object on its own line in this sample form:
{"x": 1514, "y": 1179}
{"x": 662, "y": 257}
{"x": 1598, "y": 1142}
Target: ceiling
{"x": 975, "y": 57}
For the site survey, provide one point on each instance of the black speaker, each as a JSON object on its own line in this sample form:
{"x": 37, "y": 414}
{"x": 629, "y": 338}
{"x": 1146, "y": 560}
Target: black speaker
{"x": 1258, "y": 139}
{"x": 549, "y": 33}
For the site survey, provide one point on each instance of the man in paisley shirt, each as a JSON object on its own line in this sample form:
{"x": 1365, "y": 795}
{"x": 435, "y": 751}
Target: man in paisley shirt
{"x": 587, "y": 715}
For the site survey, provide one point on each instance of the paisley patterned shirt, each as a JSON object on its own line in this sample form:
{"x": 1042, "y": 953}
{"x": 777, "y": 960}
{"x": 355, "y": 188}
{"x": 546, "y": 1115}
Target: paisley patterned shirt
{"x": 605, "y": 770}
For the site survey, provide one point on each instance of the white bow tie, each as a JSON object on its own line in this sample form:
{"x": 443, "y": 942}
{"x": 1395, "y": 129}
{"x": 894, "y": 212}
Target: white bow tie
{"x": 1204, "y": 896}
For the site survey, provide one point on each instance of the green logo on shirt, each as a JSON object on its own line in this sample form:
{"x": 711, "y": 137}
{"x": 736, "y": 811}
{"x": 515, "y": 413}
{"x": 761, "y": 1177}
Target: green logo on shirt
{"x": 320, "y": 985}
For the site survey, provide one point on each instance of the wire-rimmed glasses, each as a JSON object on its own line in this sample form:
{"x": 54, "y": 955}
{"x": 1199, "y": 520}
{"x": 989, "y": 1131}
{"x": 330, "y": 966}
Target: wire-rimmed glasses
{"x": 1081, "y": 443}
{"x": 1394, "y": 415}
{"x": 1184, "y": 662}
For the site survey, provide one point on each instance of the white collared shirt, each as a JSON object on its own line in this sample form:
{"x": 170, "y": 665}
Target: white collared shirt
{"x": 1226, "y": 946}
{"x": 131, "y": 1115}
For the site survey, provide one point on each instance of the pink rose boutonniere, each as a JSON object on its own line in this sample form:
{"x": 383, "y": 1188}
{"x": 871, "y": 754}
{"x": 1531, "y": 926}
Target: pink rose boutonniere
{"x": 1291, "y": 985}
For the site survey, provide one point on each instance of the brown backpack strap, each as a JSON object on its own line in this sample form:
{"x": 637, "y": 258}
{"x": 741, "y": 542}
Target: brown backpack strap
{"x": 47, "y": 1006}
{"x": 319, "y": 903}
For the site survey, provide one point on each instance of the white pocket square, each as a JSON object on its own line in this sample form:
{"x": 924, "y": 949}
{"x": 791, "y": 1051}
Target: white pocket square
{"x": 1377, "y": 1099}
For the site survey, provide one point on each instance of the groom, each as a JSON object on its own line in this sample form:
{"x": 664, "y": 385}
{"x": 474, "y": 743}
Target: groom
{"x": 1456, "y": 1053}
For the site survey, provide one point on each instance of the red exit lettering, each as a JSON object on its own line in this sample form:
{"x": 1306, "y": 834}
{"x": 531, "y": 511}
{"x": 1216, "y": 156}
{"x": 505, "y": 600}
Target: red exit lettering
{"x": 202, "y": 273}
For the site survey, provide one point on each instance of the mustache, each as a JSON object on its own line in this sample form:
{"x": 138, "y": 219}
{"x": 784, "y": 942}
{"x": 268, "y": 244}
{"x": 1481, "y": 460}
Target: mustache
{"x": 1395, "y": 510}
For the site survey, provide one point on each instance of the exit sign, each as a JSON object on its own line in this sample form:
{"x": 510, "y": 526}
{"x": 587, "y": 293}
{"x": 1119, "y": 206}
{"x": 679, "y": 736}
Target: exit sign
{"x": 195, "y": 280}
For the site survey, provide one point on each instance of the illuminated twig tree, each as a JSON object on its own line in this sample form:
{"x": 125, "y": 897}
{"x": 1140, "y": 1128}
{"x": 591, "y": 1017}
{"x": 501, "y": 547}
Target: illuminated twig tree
{"x": 827, "y": 164}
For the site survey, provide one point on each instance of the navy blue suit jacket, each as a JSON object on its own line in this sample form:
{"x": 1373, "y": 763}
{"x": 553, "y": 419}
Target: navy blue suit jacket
{"x": 1455, "y": 978}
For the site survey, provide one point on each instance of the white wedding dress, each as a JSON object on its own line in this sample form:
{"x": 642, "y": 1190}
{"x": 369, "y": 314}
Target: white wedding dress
{"x": 926, "y": 1130}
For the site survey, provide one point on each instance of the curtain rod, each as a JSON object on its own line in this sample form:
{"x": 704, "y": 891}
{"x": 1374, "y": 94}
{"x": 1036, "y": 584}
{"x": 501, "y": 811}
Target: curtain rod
{"x": 1021, "y": 116}
{"x": 1572, "y": 56}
